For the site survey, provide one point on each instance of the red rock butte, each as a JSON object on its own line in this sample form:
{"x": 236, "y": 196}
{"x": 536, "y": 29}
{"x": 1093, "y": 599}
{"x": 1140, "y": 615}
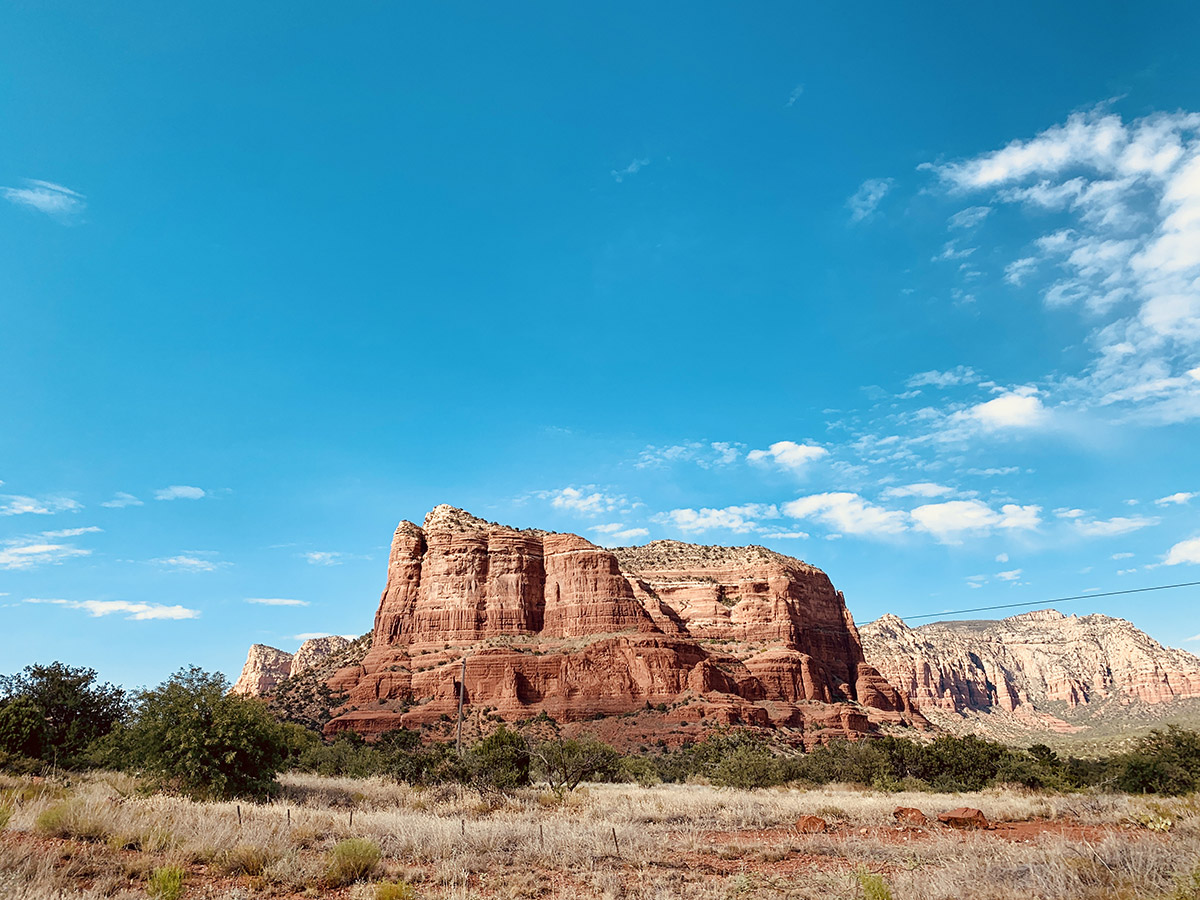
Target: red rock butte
{"x": 550, "y": 622}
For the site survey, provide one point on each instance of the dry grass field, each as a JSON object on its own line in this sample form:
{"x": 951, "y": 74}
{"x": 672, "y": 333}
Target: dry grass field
{"x": 100, "y": 836}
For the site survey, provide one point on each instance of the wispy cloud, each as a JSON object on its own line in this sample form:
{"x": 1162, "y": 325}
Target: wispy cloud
{"x": 1114, "y": 526}
{"x": 46, "y": 197}
{"x": 16, "y": 505}
{"x": 615, "y": 533}
{"x": 865, "y": 201}
{"x": 121, "y": 500}
{"x": 795, "y": 95}
{"x": 329, "y": 557}
{"x": 132, "y": 611}
{"x": 1011, "y": 575}
{"x": 739, "y": 519}
{"x": 630, "y": 170}
{"x": 951, "y": 378}
{"x": 180, "y": 492}
{"x": 276, "y": 601}
{"x": 920, "y": 489}
{"x": 970, "y": 217}
{"x": 22, "y": 555}
{"x": 72, "y": 532}
{"x": 189, "y": 563}
{"x": 705, "y": 454}
{"x": 1178, "y": 499}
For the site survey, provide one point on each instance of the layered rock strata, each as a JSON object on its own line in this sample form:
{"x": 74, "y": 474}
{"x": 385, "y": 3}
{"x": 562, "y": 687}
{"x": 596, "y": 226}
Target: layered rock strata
{"x": 266, "y": 668}
{"x": 528, "y": 622}
{"x": 1029, "y": 663}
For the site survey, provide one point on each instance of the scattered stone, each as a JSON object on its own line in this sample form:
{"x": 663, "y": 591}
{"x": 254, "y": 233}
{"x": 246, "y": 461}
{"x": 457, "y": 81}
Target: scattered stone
{"x": 964, "y": 817}
{"x": 909, "y": 815}
{"x": 811, "y": 825}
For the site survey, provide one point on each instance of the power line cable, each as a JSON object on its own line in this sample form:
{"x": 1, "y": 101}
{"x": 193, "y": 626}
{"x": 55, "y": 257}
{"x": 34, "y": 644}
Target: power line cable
{"x": 955, "y": 612}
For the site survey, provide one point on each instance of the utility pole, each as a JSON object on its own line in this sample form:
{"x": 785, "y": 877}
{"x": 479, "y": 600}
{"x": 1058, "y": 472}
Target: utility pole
{"x": 462, "y": 689}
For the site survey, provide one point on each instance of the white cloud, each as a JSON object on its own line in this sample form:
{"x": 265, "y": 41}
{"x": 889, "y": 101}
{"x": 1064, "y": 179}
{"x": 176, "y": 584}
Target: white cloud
{"x": 1011, "y": 575}
{"x": 1064, "y": 513}
{"x": 133, "y": 611}
{"x": 585, "y": 501}
{"x": 847, "y": 513}
{"x": 1128, "y": 253}
{"x": 951, "y": 378}
{"x": 18, "y": 555}
{"x": 788, "y": 535}
{"x": 865, "y": 200}
{"x": 72, "y": 532}
{"x": 121, "y": 499}
{"x": 15, "y": 505}
{"x": 1001, "y": 557}
{"x": 1178, "y": 499}
{"x": 1194, "y": 637}
{"x": 950, "y": 521}
{"x": 633, "y": 168}
{"x": 179, "y": 492}
{"x": 1122, "y": 556}
{"x": 705, "y": 454}
{"x": 969, "y": 217}
{"x": 920, "y": 489}
{"x": 794, "y": 96}
{"x": 46, "y": 197}
{"x": 616, "y": 532}
{"x": 323, "y": 557}
{"x": 1114, "y": 526}
{"x": 731, "y": 518}
{"x": 1017, "y": 408}
{"x": 1184, "y": 552}
{"x": 951, "y": 252}
{"x": 788, "y": 455}
{"x": 185, "y": 563}
{"x": 276, "y": 601}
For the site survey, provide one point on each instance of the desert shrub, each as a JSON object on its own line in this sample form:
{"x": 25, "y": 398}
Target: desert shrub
{"x": 5, "y": 814}
{"x": 873, "y": 886}
{"x": 54, "y": 712}
{"x": 70, "y": 819}
{"x": 395, "y": 890}
{"x": 166, "y": 883}
{"x": 246, "y": 859}
{"x": 351, "y": 860}
{"x": 565, "y": 762}
{"x": 640, "y": 770}
{"x": 500, "y": 762}
{"x": 192, "y": 735}
{"x": 1164, "y": 762}
{"x": 746, "y": 766}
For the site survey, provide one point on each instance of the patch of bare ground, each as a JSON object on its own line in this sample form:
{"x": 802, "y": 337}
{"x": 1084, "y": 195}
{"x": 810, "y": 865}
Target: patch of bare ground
{"x": 100, "y": 836}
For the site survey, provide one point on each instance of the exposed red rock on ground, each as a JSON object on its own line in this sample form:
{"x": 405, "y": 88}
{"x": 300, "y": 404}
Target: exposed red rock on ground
{"x": 963, "y": 817}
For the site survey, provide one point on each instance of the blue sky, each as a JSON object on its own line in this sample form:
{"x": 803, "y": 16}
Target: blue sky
{"x": 910, "y": 295}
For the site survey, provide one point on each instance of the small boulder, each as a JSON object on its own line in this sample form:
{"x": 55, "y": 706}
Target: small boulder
{"x": 964, "y": 817}
{"x": 909, "y": 815}
{"x": 811, "y": 825}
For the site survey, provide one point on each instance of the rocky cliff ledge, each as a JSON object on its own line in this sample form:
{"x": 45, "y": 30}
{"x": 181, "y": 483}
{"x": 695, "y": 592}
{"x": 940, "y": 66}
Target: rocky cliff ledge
{"x": 267, "y": 667}
{"x": 1040, "y": 666}
{"x": 549, "y": 622}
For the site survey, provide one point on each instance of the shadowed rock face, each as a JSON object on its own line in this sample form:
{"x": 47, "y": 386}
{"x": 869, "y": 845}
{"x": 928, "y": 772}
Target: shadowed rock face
{"x": 551, "y": 622}
{"x": 1022, "y": 664}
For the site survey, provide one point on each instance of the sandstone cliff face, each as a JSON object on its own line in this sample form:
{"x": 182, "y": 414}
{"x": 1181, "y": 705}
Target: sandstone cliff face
{"x": 314, "y": 651}
{"x": 551, "y": 622}
{"x": 1029, "y": 664}
{"x": 264, "y": 670}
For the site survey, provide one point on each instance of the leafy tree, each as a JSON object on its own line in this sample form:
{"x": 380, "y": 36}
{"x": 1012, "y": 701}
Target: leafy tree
{"x": 74, "y": 708}
{"x": 500, "y": 762}
{"x": 22, "y": 728}
{"x": 196, "y": 737}
{"x": 565, "y": 762}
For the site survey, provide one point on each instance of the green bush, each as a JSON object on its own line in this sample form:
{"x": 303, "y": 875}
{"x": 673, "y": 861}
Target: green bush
{"x": 246, "y": 859}
{"x": 192, "y": 735}
{"x": 873, "y": 886}
{"x": 70, "y": 819}
{"x": 54, "y": 712}
{"x": 351, "y": 860}
{"x": 746, "y": 767}
{"x": 166, "y": 883}
{"x": 395, "y": 890}
{"x": 500, "y": 762}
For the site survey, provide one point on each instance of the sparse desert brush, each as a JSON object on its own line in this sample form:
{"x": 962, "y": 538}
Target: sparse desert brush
{"x": 6, "y": 812}
{"x": 350, "y": 861}
{"x": 395, "y": 890}
{"x": 71, "y": 818}
{"x": 246, "y": 859}
{"x": 873, "y": 885}
{"x": 166, "y": 883}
